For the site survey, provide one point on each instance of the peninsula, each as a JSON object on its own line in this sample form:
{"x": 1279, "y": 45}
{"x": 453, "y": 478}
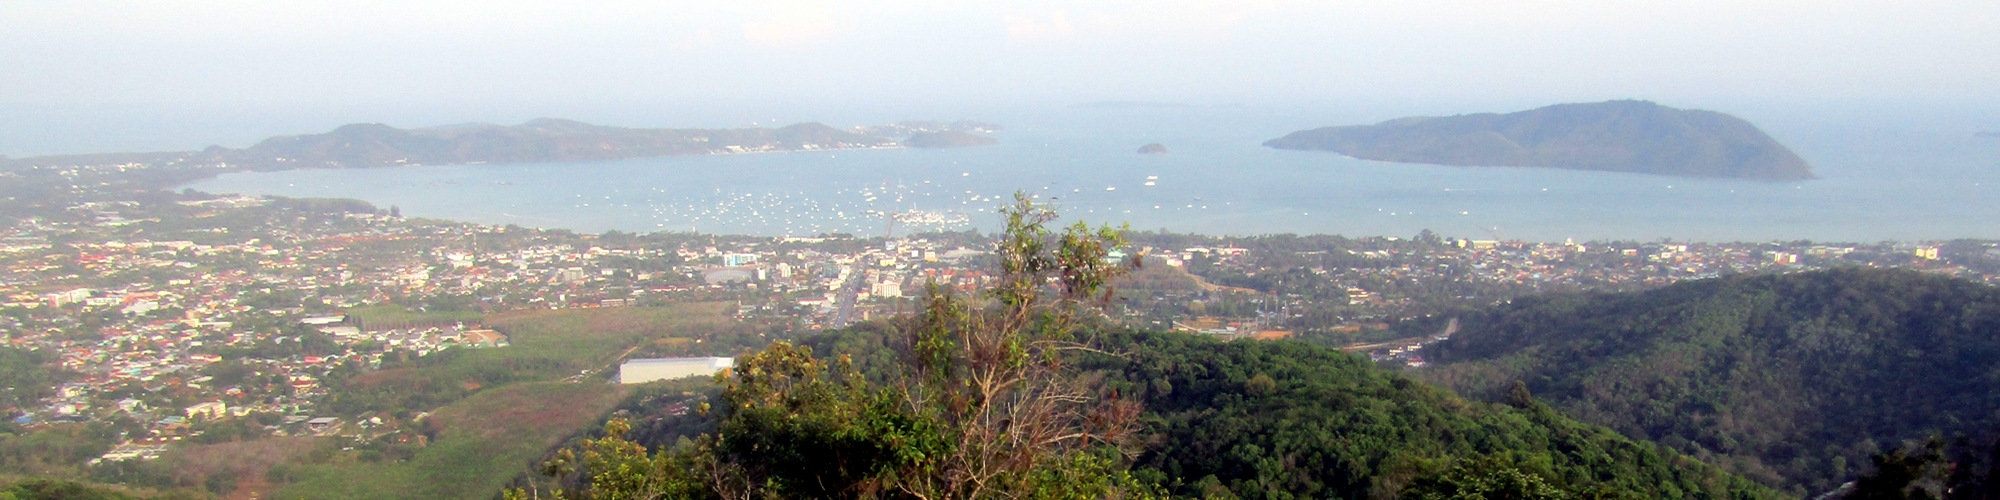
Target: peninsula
{"x": 1615, "y": 136}
{"x": 363, "y": 145}
{"x": 948, "y": 139}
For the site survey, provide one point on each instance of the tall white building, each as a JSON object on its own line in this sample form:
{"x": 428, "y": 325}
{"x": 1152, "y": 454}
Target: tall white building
{"x": 639, "y": 371}
{"x": 211, "y": 410}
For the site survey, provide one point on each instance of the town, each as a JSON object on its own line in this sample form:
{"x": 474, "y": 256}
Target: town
{"x": 199, "y": 316}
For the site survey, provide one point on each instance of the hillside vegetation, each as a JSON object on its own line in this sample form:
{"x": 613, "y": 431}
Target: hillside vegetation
{"x": 25, "y": 376}
{"x": 1292, "y": 420}
{"x": 1272, "y": 420}
{"x": 1794, "y": 380}
{"x": 36, "y": 488}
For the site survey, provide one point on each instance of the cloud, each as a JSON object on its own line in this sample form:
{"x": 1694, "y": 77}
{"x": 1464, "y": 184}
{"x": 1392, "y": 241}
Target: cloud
{"x": 225, "y": 52}
{"x": 1151, "y": 22}
{"x": 1201, "y": 20}
{"x": 796, "y": 27}
{"x": 698, "y": 39}
{"x": 1029, "y": 29}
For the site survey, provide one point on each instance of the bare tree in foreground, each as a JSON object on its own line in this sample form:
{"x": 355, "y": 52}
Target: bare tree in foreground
{"x": 982, "y": 404}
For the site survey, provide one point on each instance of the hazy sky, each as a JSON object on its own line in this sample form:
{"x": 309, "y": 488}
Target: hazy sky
{"x": 407, "y": 61}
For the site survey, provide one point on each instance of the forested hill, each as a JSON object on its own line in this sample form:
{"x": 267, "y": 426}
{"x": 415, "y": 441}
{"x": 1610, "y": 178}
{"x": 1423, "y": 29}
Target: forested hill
{"x": 1617, "y": 136}
{"x": 1271, "y": 420}
{"x": 1794, "y": 380}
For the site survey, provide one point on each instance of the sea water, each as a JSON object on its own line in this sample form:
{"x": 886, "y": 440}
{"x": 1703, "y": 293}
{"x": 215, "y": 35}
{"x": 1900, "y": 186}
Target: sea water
{"x": 1909, "y": 177}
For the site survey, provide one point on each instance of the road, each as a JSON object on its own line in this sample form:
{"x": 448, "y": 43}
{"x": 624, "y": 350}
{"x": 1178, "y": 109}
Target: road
{"x": 614, "y": 362}
{"x": 1449, "y": 328}
{"x": 850, "y": 293}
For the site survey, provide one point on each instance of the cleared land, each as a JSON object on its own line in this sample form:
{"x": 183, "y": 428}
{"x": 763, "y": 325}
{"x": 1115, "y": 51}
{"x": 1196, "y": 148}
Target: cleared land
{"x": 489, "y": 439}
{"x": 395, "y": 316}
{"x": 502, "y": 408}
{"x": 547, "y": 345}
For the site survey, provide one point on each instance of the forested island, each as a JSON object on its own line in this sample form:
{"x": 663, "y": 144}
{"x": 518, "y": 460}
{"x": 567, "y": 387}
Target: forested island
{"x": 1614, "y": 136}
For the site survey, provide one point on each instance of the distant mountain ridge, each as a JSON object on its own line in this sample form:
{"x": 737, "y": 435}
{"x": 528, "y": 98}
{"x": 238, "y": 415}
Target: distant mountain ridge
{"x": 1614, "y": 136}
{"x": 363, "y": 145}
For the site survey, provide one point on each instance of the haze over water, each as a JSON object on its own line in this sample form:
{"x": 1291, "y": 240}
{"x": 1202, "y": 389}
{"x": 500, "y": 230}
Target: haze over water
{"x": 1902, "y": 178}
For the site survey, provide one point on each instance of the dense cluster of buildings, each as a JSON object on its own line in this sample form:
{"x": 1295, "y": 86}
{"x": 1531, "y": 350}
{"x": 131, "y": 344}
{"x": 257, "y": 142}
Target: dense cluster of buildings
{"x": 141, "y": 324}
{"x": 219, "y": 308}
{"x": 1360, "y": 287}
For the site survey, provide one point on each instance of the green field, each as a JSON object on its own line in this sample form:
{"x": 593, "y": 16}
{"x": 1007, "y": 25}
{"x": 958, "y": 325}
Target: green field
{"x": 395, "y": 316}
{"x": 591, "y": 337}
{"x": 500, "y": 408}
{"x": 489, "y": 439}
{"x": 547, "y": 345}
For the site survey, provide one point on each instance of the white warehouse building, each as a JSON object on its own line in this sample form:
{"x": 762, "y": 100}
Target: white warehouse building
{"x": 639, "y": 371}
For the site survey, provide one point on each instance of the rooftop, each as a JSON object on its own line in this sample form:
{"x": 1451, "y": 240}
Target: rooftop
{"x": 719, "y": 362}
